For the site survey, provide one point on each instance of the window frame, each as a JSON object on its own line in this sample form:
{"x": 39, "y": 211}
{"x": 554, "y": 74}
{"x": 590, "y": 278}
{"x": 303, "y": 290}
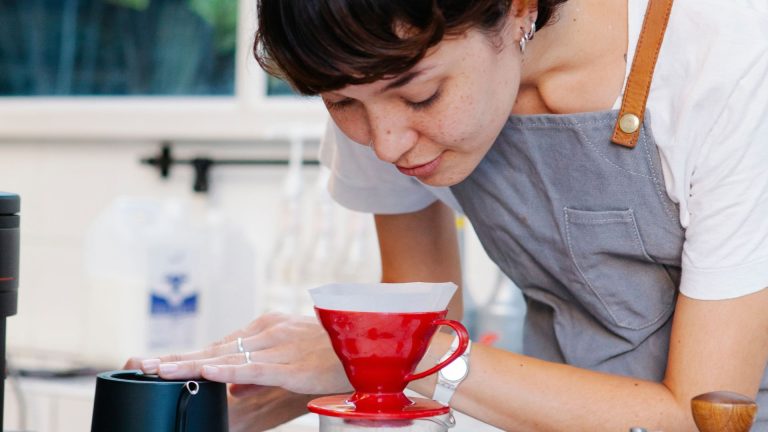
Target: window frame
{"x": 247, "y": 115}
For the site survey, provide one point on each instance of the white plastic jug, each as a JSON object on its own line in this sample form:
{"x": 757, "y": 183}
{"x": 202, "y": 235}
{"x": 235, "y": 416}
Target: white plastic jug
{"x": 165, "y": 276}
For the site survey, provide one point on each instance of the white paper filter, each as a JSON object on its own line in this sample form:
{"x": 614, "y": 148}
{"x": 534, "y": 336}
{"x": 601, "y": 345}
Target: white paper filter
{"x": 384, "y": 297}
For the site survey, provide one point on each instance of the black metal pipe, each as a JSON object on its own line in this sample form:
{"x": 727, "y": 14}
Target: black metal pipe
{"x": 202, "y": 165}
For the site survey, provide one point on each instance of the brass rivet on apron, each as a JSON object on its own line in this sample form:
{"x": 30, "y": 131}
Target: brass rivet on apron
{"x": 629, "y": 123}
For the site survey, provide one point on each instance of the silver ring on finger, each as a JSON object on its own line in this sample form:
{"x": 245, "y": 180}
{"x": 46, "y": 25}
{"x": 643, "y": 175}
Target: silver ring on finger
{"x": 247, "y": 357}
{"x": 240, "y": 345}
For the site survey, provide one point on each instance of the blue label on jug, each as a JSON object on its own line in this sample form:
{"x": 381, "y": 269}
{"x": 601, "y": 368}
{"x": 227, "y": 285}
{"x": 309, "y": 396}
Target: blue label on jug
{"x": 174, "y": 313}
{"x": 175, "y": 302}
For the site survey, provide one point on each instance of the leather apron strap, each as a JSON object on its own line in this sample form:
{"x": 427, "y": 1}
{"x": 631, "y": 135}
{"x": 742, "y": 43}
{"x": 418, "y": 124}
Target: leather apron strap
{"x": 630, "y": 118}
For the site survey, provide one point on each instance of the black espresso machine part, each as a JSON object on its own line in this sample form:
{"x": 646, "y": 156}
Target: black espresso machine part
{"x": 9, "y": 273}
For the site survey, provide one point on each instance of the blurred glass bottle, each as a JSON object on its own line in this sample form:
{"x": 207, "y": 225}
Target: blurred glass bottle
{"x": 282, "y": 276}
{"x": 316, "y": 262}
{"x": 358, "y": 255}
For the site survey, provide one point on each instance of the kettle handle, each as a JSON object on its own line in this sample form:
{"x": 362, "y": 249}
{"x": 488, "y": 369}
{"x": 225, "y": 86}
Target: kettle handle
{"x": 190, "y": 389}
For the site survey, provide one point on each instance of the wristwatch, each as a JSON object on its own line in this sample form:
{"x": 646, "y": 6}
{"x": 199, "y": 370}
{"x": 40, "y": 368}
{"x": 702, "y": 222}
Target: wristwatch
{"x": 449, "y": 377}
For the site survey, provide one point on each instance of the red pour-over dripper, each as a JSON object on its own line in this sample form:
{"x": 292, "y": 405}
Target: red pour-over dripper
{"x": 380, "y": 351}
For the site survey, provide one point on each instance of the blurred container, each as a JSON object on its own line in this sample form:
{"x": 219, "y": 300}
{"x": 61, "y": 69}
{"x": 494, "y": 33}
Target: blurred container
{"x": 499, "y": 321}
{"x": 165, "y": 276}
{"x": 283, "y": 264}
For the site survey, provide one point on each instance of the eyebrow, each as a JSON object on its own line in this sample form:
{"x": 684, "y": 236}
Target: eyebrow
{"x": 404, "y": 79}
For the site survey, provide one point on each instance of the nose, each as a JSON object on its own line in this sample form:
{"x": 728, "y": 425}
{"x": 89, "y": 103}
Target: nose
{"x": 392, "y": 134}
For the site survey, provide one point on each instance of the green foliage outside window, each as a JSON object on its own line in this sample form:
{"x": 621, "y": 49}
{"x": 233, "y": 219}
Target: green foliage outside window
{"x": 117, "y": 47}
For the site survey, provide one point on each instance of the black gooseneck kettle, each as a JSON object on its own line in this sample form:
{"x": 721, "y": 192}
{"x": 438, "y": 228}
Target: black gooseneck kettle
{"x": 128, "y": 401}
{"x": 9, "y": 273}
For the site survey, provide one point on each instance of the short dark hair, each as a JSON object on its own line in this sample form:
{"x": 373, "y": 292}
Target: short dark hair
{"x": 324, "y": 45}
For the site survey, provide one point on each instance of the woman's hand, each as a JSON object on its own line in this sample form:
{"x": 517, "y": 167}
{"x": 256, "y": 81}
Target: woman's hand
{"x": 289, "y": 352}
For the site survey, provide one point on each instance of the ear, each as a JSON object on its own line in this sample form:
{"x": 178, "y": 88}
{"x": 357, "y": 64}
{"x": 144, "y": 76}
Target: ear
{"x": 517, "y": 22}
{"x": 527, "y": 9}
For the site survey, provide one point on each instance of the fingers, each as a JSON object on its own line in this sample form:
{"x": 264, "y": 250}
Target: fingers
{"x": 150, "y": 366}
{"x": 230, "y": 369}
{"x": 256, "y": 336}
{"x": 210, "y": 352}
{"x": 259, "y": 346}
{"x": 266, "y": 321}
{"x": 277, "y": 350}
{"x": 188, "y": 365}
{"x": 192, "y": 368}
{"x": 133, "y": 363}
{"x": 188, "y": 369}
{"x": 258, "y": 325}
{"x": 263, "y": 373}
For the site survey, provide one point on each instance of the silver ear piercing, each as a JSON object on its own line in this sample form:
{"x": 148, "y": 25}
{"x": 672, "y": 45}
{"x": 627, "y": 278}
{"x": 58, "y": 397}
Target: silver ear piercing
{"x": 527, "y": 36}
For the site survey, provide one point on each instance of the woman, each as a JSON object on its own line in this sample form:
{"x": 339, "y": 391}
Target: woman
{"x": 643, "y": 264}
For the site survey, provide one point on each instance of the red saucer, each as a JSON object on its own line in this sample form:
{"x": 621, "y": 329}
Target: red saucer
{"x": 339, "y": 406}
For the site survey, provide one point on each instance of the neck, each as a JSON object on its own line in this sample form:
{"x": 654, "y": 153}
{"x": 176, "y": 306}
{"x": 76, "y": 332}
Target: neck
{"x": 577, "y": 63}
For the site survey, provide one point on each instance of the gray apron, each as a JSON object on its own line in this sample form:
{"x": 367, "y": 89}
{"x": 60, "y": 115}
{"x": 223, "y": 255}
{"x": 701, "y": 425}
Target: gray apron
{"x": 587, "y": 231}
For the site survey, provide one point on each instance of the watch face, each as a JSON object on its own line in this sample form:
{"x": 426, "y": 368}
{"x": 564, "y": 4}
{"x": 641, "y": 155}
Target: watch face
{"x": 455, "y": 371}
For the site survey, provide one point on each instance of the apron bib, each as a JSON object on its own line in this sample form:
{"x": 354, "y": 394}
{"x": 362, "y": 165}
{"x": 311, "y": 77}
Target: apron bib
{"x": 587, "y": 231}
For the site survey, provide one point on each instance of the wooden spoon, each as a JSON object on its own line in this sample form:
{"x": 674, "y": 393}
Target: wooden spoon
{"x": 723, "y": 411}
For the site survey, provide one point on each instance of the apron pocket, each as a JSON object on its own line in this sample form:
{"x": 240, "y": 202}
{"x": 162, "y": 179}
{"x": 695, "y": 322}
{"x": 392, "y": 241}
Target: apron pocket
{"x": 622, "y": 284}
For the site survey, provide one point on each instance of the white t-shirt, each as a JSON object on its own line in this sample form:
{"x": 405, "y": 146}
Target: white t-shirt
{"x": 709, "y": 103}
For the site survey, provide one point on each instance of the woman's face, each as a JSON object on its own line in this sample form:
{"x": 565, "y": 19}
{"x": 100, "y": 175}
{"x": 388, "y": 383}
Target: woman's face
{"x": 436, "y": 121}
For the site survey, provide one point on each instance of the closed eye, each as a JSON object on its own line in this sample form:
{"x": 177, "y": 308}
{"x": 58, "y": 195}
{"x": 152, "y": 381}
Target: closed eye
{"x": 339, "y": 105}
{"x": 426, "y": 103}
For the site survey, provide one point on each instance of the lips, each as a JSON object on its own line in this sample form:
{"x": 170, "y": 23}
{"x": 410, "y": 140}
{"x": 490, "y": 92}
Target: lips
{"x": 424, "y": 170}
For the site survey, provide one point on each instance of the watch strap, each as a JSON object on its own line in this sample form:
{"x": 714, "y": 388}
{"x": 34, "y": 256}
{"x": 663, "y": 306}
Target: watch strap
{"x": 444, "y": 391}
{"x": 445, "y": 388}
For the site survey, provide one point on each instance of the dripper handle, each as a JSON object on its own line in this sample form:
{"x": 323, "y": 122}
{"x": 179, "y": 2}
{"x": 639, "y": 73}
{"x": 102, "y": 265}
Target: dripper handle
{"x": 461, "y": 332}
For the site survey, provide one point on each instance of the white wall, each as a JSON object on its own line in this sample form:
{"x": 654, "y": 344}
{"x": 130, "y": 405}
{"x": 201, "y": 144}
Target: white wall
{"x": 64, "y": 186}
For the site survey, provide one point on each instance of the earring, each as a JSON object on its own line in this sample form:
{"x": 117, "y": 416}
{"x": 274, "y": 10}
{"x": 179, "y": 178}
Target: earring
{"x": 527, "y": 36}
